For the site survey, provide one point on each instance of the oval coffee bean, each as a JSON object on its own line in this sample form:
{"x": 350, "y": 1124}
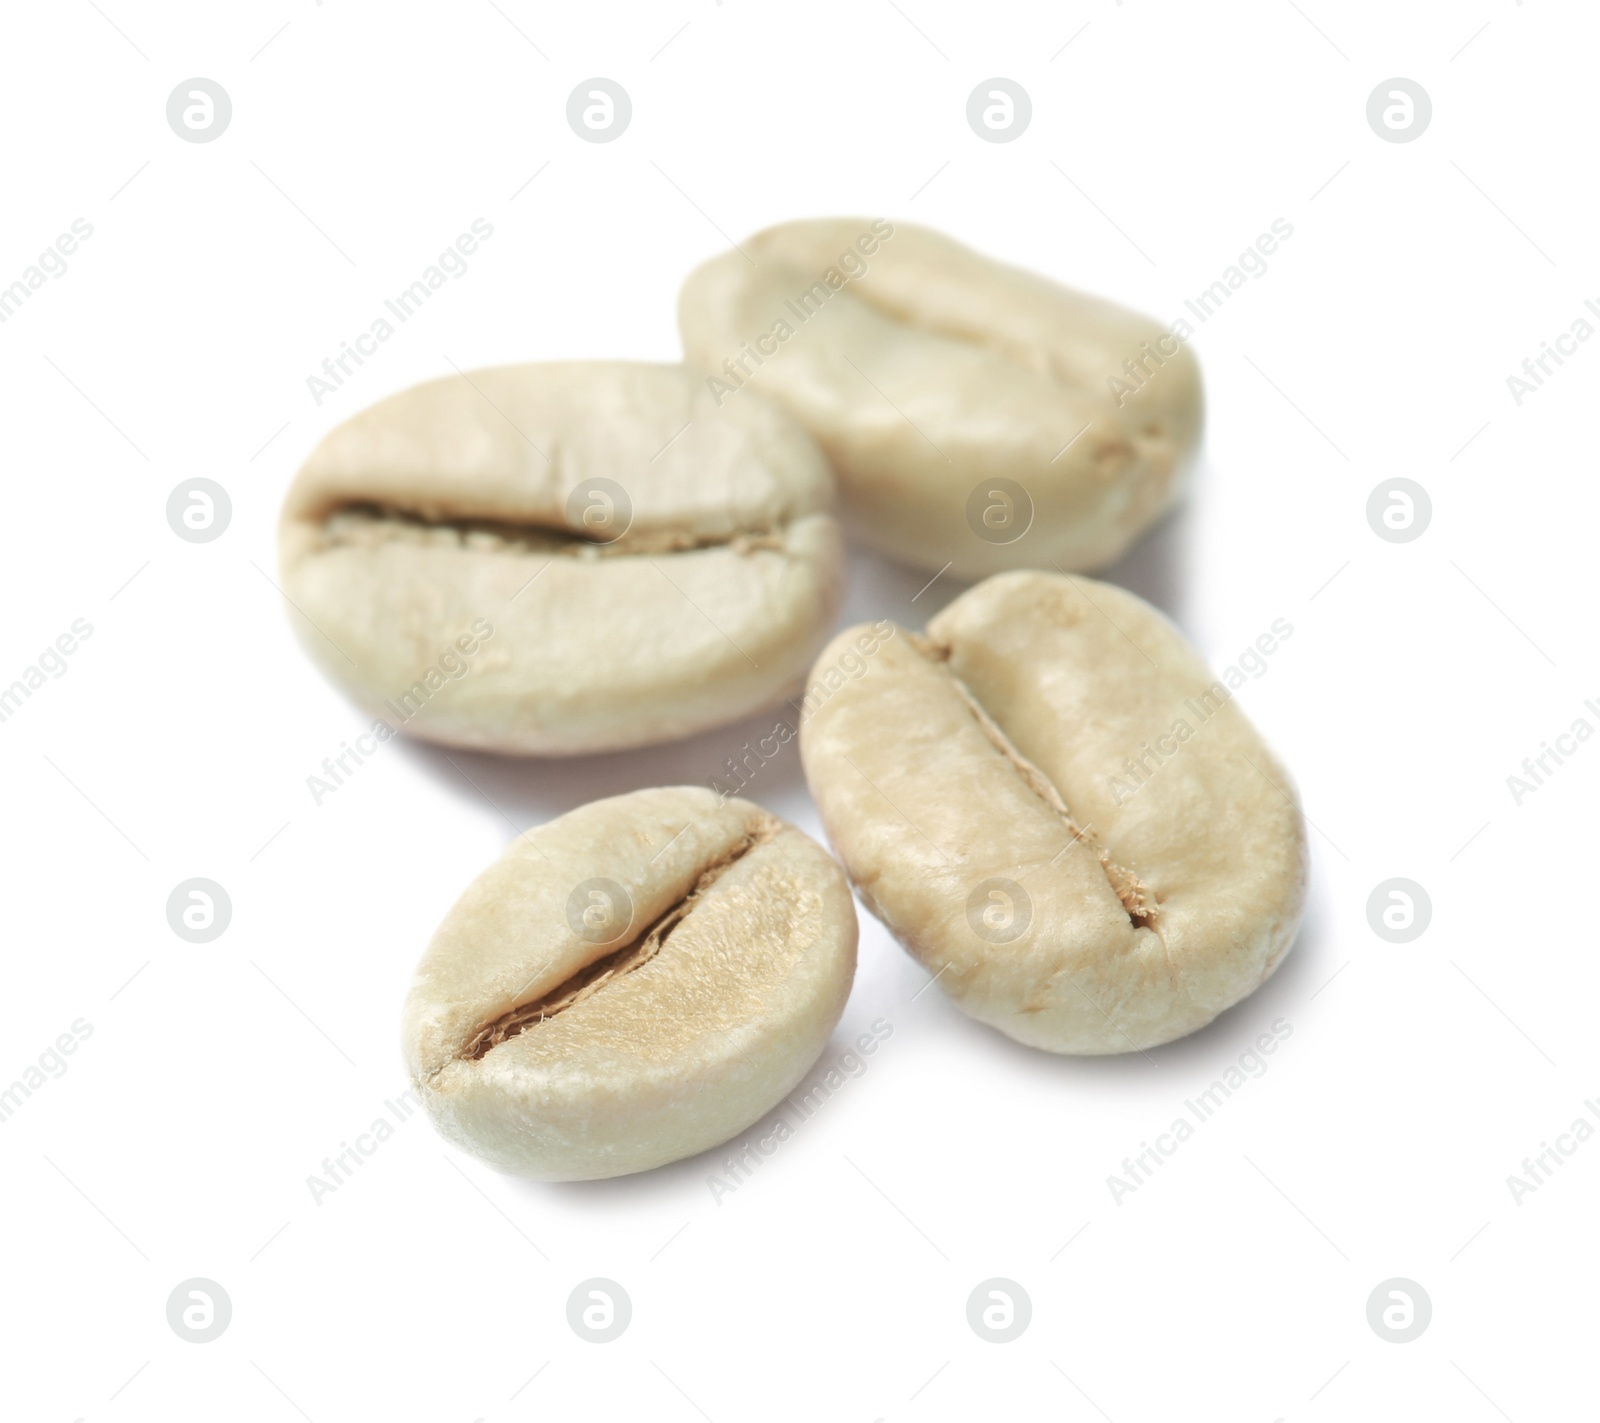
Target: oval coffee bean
{"x": 551, "y": 559}
{"x": 978, "y": 416}
{"x": 630, "y": 984}
{"x": 1057, "y": 809}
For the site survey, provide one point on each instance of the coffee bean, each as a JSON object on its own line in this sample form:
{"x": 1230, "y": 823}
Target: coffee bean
{"x": 554, "y": 559}
{"x": 630, "y": 984}
{"x": 1057, "y": 810}
{"x": 979, "y": 417}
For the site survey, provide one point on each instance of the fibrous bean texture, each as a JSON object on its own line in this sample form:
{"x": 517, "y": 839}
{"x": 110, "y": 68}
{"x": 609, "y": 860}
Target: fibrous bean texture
{"x": 551, "y": 559}
{"x": 979, "y": 416}
{"x": 1055, "y": 807}
{"x": 630, "y": 984}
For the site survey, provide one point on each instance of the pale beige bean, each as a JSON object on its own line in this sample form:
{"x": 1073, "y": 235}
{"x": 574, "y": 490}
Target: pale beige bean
{"x": 552, "y": 559}
{"x": 632, "y": 983}
{"x": 1054, "y": 806}
{"x": 979, "y": 416}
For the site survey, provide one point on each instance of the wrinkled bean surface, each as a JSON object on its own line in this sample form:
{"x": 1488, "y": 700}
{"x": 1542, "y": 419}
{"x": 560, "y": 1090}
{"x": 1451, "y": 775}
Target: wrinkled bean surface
{"x": 1056, "y": 809}
{"x": 630, "y": 984}
{"x": 552, "y": 559}
{"x": 978, "y": 415}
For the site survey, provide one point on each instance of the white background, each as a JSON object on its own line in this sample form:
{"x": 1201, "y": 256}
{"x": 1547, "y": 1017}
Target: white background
{"x": 1165, "y": 138}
